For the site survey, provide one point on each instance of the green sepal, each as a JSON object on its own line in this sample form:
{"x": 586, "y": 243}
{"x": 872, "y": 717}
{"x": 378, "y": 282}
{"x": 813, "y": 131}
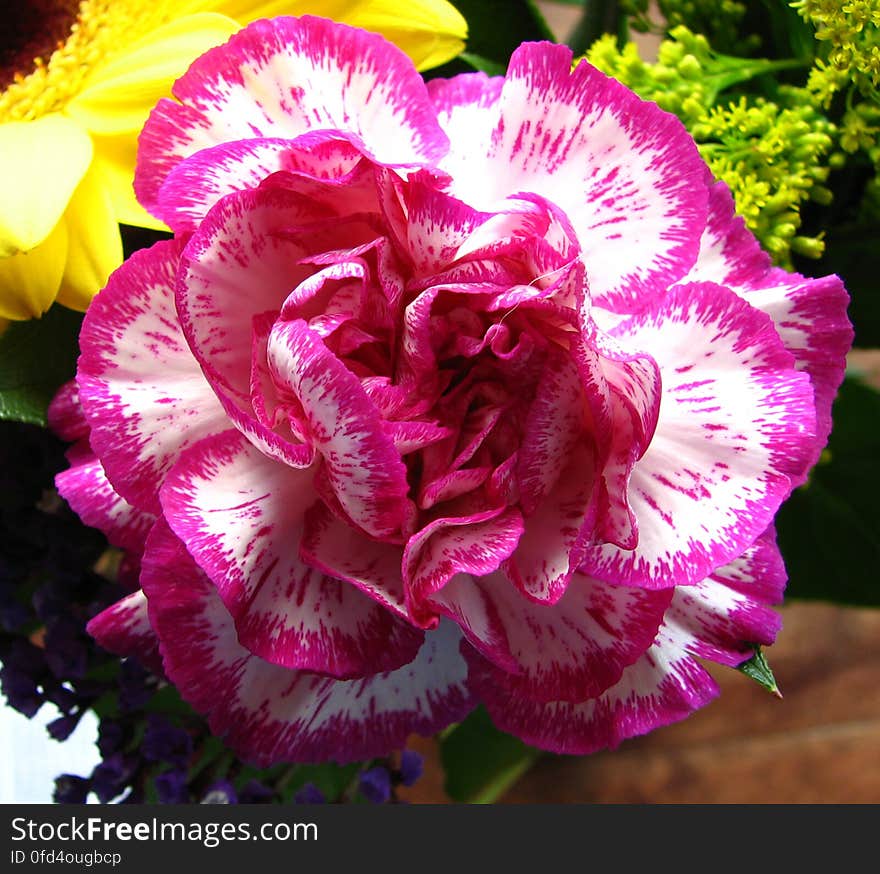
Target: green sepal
{"x": 759, "y": 670}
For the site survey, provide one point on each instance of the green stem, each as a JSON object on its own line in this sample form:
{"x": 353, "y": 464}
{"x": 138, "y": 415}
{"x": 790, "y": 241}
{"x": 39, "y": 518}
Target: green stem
{"x": 739, "y": 72}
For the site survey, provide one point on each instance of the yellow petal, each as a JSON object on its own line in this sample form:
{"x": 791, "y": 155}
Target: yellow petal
{"x": 29, "y": 281}
{"x": 94, "y": 248}
{"x": 41, "y": 163}
{"x": 431, "y": 32}
{"x": 114, "y": 160}
{"x": 119, "y": 95}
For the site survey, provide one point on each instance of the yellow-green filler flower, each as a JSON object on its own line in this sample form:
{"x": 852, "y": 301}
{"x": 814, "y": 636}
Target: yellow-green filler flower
{"x": 77, "y": 81}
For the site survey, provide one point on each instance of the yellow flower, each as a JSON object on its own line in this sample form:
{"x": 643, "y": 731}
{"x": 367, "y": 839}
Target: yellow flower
{"x": 77, "y": 81}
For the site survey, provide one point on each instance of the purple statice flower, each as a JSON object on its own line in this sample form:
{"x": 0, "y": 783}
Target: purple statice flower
{"x": 164, "y": 742}
{"x": 171, "y": 787}
{"x": 136, "y": 686}
{"x": 375, "y": 784}
{"x": 110, "y": 778}
{"x": 411, "y": 767}
{"x": 67, "y": 647}
{"x": 71, "y": 789}
{"x": 111, "y": 735}
{"x": 61, "y": 728}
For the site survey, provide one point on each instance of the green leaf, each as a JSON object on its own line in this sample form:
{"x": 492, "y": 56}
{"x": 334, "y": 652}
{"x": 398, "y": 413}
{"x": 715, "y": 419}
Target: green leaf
{"x": 36, "y": 357}
{"x": 212, "y": 748}
{"x": 758, "y": 669}
{"x": 482, "y": 762}
{"x": 495, "y": 29}
{"x": 167, "y": 701}
{"x": 490, "y": 68}
{"x": 851, "y": 251}
{"x": 828, "y": 529}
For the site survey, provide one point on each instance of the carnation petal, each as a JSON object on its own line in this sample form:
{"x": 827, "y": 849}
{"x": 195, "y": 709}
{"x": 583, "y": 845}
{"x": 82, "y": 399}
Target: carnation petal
{"x": 202, "y": 179}
{"x": 65, "y": 414}
{"x": 240, "y": 515}
{"x": 736, "y": 426}
{"x": 809, "y": 314}
{"x": 475, "y": 544}
{"x": 142, "y": 390}
{"x": 554, "y": 535}
{"x": 336, "y": 548}
{"x": 363, "y": 467}
{"x": 268, "y": 713}
{"x": 568, "y": 651}
{"x": 124, "y": 629}
{"x": 285, "y": 77}
{"x": 238, "y": 265}
{"x": 84, "y": 485}
{"x": 664, "y": 686}
{"x": 725, "y": 616}
{"x": 627, "y": 174}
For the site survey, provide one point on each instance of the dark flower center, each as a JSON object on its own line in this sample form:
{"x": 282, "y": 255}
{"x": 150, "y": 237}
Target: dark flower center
{"x": 32, "y": 31}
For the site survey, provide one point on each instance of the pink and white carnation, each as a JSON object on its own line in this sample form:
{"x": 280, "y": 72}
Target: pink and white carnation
{"x": 469, "y": 392}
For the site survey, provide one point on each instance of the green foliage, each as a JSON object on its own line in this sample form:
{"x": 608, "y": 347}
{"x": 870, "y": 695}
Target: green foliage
{"x": 481, "y": 762}
{"x": 720, "y": 21}
{"x": 850, "y": 34}
{"x": 828, "y": 529}
{"x": 771, "y": 156}
{"x": 36, "y": 357}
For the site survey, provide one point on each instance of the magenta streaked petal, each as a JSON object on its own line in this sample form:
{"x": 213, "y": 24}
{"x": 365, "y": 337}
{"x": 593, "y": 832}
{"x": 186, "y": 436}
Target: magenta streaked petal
{"x": 65, "y": 414}
{"x": 240, "y": 515}
{"x": 84, "y": 485}
{"x": 624, "y": 390}
{"x": 664, "y": 686}
{"x": 342, "y": 551}
{"x": 725, "y": 616}
{"x": 414, "y": 435}
{"x": 466, "y": 105}
{"x": 238, "y": 265}
{"x": 475, "y": 544}
{"x": 202, "y": 179}
{"x": 810, "y": 317}
{"x": 627, "y": 174}
{"x": 285, "y": 77}
{"x": 555, "y": 535}
{"x": 555, "y": 424}
{"x": 124, "y": 629}
{"x": 809, "y": 314}
{"x": 736, "y": 427}
{"x": 568, "y": 651}
{"x": 142, "y": 390}
{"x": 270, "y": 714}
{"x": 363, "y": 467}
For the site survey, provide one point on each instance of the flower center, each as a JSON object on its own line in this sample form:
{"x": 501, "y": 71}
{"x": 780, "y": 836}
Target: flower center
{"x": 34, "y": 31}
{"x": 50, "y": 47}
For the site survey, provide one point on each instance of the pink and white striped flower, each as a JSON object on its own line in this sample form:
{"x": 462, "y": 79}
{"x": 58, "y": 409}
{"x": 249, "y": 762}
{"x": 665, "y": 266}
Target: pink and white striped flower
{"x": 469, "y": 392}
